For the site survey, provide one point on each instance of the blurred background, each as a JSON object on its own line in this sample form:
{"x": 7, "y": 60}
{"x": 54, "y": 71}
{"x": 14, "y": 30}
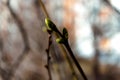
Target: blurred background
{"x": 94, "y": 36}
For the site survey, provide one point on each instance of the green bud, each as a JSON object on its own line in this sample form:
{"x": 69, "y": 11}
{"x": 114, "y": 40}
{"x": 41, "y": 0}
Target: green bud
{"x": 50, "y": 25}
{"x": 65, "y": 33}
{"x": 47, "y": 23}
{"x": 60, "y": 40}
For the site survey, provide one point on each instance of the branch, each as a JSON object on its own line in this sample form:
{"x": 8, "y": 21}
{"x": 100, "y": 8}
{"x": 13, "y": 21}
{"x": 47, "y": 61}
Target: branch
{"x": 48, "y": 56}
{"x": 74, "y": 75}
{"x": 49, "y": 40}
{"x": 75, "y": 60}
{"x": 64, "y": 40}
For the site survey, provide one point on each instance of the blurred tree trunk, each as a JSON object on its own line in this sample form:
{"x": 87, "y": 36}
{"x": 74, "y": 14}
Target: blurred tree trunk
{"x": 96, "y": 66}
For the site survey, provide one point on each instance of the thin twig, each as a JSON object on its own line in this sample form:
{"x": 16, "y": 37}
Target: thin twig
{"x": 48, "y": 57}
{"x": 69, "y": 62}
{"x": 70, "y": 65}
{"x": 66, "y": 44}
{"x": 75, "y": 60}
{"x": 49, "y": 41}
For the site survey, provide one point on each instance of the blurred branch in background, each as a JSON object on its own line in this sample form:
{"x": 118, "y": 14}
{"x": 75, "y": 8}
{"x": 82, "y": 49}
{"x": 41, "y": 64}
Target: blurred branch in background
{"x": 108, "y": 2}
{"x": 15, "y": 39}
{"x": 96, "y": 65}
{"x": 10, "y": 72}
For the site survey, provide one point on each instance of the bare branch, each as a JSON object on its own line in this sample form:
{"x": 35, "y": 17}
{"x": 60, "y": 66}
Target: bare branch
{"x": 48, "y": 56}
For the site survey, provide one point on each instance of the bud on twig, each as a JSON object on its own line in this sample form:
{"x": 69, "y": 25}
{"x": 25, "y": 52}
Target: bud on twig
{"x": 50, "y": 25}
{"x": 65, "y": 33}
{"x": 60, "y": 40}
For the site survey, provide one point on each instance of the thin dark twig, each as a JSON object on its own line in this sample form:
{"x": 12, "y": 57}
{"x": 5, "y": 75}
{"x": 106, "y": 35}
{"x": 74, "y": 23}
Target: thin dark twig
{"x": 70, "y": 65}
{"x": 66, "y": 44}
{"x": 48, "y": 57}
{"x": 75, "y": 60}
{"x": 49, "y": 40}
{"x": 69, "y": 61}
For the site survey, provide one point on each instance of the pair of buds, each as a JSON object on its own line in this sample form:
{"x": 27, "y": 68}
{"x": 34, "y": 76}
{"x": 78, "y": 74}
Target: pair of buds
{"x": 51, "y": 27}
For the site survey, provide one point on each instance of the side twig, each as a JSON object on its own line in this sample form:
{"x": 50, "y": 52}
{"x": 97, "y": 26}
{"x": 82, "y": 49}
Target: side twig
{"x": 48, "y": 57}
{"x": 49, "y": 41}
